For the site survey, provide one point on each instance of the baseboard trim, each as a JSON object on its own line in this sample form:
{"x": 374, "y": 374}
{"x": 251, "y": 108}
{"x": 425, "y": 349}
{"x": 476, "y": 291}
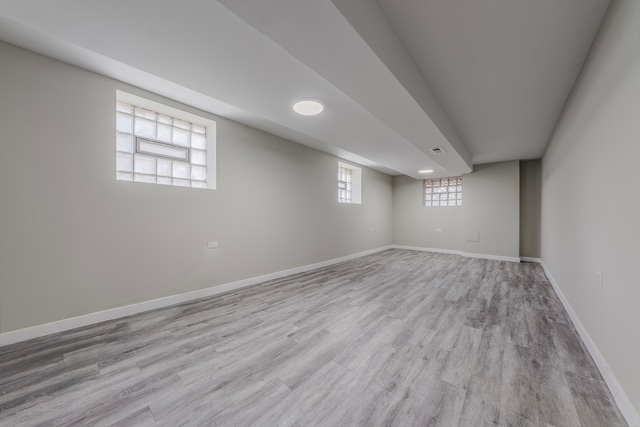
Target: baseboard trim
{"x": 456, "y": 252}
{"x": 529, "y": 259}
{"x": 492, "y": 257}
{"x": 423, "y": 249}
{"x": 20, "y": 335}
{"x": 628, "y": 411}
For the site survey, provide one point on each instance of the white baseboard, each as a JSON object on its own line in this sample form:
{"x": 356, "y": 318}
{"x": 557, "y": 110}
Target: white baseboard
{"x": 619, "y": 395}
{"x": 529, "y": 259}
{"x": 456, "y": 252}
{"x": 38, "y": 331}
{"x": 420, "y": 248}
{"x": 493, "y": 257}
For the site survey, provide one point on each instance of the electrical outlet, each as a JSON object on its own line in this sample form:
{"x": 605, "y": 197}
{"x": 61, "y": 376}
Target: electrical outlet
{"x": 598, "y": 278}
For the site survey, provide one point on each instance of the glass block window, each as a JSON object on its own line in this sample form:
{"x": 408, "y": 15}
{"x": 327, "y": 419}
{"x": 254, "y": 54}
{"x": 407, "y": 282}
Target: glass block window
{"x": 344, "y": 185}
{"x": 443, "y": 192}
{"x": 349, "y": 184}
{"x": 156, "y": 148}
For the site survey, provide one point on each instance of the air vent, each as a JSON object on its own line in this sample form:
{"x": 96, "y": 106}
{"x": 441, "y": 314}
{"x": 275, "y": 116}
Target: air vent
{"x": 438, "y": 150}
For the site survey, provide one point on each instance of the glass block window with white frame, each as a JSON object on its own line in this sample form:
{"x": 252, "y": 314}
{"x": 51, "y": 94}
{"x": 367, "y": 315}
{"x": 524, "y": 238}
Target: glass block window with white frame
{"x": 159, "y": 148}
{"x": 344, "y": 185}
{"x": 443, "y": 191}
{"x": 349, "y": 183}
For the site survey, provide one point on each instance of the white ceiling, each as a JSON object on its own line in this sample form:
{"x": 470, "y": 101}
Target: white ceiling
{"x": 485, "y": 79}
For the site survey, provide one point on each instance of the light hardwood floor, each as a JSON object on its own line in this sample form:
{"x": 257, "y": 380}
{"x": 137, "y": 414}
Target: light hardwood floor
{"x": 400, "y": 338}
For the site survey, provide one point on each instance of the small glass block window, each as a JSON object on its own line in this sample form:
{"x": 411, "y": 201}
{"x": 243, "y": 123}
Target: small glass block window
{"x": 344, "y": 185}
{"x": 156, "y": 148}
{"x": 443, "y": 192}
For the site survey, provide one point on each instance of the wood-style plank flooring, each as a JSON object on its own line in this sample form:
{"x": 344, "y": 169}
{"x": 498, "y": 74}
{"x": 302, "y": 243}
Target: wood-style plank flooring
{"x": 398, "y": 338}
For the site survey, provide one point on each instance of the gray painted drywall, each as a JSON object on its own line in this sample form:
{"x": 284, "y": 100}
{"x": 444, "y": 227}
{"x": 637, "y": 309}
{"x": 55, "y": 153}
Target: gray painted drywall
{"x": 73, "y": 240}
{"x": 415, "y": 225}
{"x": 530, "y": 182}
{"x": 490, "y": 205}
{"x": 590, "y": 203}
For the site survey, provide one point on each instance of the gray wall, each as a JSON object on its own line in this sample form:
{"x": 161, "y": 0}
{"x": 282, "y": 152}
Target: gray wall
{"x": 73, "y": 240}
{"x": 415, "y": 225}
{"x": 530, "y": 198}
{"x": 590, "y": 203}
{"x": 491, "y": 206}
{"x": 491, "y": 197}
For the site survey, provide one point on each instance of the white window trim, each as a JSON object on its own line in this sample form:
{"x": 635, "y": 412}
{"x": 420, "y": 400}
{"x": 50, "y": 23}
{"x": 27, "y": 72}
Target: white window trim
{"x": 356, "y": 183}
{"x": 209, "y": 124}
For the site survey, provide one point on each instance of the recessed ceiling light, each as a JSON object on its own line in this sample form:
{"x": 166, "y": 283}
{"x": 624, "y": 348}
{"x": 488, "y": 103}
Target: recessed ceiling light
{"x": 426, "y": 171}
{"x": 308, "y": 107}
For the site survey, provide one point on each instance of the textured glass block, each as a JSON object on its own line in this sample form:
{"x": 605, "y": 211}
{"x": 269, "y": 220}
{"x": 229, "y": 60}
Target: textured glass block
{"x": 342, "y": 185}
{"x": 435, "y": 203}
{"x": 145, "y": 128}
{"x": 161, "y": 118}
{"x": 459, "y": 180}
{"x": 459, "y": 202}
{"x": 198, "y": 129}
{"x": 177, "y": 123}
{"x": 145, "y": 114}
{"x": 452, "y": 189}
{"x": 124, "y": 176}
{"x": 435, "y": 182}
{"x": 453, "y": 181}
{"x": 199, "y": 173}
{"x": 440, "y": 190}
{"x": 124, "y": 142}
{"x": 427, "y": 183}
{"x": 164, "y": 133}
{"x": 428, "y": 190}
{"x": 151, "y": 179}
{"x": 428, "y": 197}
{"x": 452, "y": 202}
{"x": 181, "y": 137}
{"x": 162, "y": 180}
{"x": 459, "y": 188}
{"x": 164, "y": 150}
{"x": 452, "y": 196}
{"x": 123, "y": 107}
{"x": 124, "y": 162}
{"x": 427, "y": 203}
{"x": 198, "y": 157}
{"x": 164, "y": 167}
{"x": 198, "y": 141}
{"x": 459, "y": 196}
{"x": 181, "y": 182}
{"x": 124, "y": 122}
{"x": 181, "y": 170}
{"x": 144, "y": 164}
{"x": 198, "y": 184}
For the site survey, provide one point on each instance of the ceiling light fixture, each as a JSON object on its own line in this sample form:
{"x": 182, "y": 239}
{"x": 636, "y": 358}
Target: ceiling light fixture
{"x": 308, "y": 107}
{"x": 426, "y": 171}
